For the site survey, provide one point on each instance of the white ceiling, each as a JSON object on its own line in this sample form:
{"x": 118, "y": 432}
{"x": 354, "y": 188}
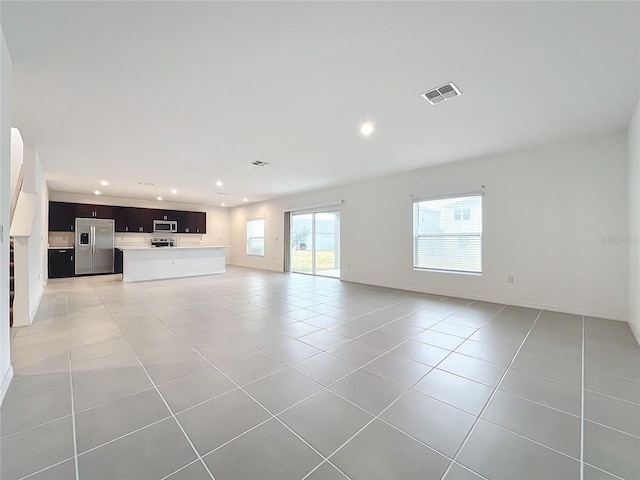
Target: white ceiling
{"x": 182, "y": 94}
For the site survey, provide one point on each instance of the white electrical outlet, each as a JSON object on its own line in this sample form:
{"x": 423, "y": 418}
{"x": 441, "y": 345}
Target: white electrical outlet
{"x": 510, "y": 279}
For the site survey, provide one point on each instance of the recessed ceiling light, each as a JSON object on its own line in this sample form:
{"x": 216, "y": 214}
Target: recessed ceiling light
{"x": 174, "y": 191}
{"x": 219, "y": 183}
{"x": 245, "y": 199}
{"x": 159, "y": 198}
{"x": 223, "y": 204}
{"x": 104, "y": 183}
{"x": 97, "y": 192}
{"x": 366, "y": 128}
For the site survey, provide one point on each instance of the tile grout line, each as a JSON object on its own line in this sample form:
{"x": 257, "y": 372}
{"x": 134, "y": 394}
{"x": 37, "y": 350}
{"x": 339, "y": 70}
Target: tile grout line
{"x": 173, "y": 415}
{"x": 377, "y": 417}
{"x": 243, "y": 390}
{"x": 484, "y": 408}
{"x": 73, "y": 402}
{"x": 582, "y": 407}
{"x": 325, "y": 388}
{"x": 327, "y": 459}
{"x": 276, "y": 417}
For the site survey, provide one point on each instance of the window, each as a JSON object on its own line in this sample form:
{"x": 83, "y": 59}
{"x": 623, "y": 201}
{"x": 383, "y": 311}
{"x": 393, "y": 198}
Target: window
{"x": 447, "y": 234}
{"x": 462, "y": 214}
{"x": 255, "y": 237}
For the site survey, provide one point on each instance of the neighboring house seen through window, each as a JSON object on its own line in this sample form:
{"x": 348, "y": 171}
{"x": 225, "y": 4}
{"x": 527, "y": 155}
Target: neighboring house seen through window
{"x": 255, "y": 237}
{"x": 447, "y": 234}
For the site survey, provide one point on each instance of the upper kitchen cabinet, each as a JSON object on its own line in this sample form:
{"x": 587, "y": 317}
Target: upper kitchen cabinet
{"x": 196, "y": 223}
{"x": 62, "y": 216}
{"x": 84, "y": 210}
{"x": 120, "y": 217}
{"x": 188, "y": 222}
{"x": 137, "y": 220}
{"x": 170, "y": 215}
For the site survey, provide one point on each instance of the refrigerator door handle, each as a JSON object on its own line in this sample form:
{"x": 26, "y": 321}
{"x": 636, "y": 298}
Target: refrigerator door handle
{"x": 93, "y": 239}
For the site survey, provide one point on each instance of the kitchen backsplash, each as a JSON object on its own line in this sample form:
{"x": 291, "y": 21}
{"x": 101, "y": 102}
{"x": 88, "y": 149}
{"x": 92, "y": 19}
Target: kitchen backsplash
{"x": 66, "y": 239}
{"x": 144, "y": 239}
{"x": 61, "y": 239}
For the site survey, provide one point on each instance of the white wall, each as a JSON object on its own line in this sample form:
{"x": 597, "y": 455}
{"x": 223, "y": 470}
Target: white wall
{"x": 634, "y": 223}
{"x": 37, "y": 241}
{"x": 550, "y": 214}
{"x": 29, "y": 240}
{"x": 17, "y": 147}
{"x": 6, "y": 372}
{"x": 217, "y": 220}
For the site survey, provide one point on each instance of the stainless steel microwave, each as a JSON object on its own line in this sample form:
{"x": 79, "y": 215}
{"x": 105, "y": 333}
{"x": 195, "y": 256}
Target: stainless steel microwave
{"x": 166, "y": 226}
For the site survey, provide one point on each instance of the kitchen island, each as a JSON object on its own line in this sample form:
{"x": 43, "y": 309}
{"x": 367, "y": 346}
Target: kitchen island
{"x": 140, "y": 263}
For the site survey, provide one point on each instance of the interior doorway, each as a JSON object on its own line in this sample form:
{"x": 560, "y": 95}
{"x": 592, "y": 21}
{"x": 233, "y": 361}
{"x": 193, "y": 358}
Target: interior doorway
{"x": 315, "y": 243}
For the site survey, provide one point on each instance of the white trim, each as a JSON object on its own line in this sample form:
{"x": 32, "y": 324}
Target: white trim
{"x": 417, "y": 198}
{"x": 36, "y": 305}
{"x": 270, "y": 269}
{"x": 5, "y": 383}
{"x": 501, "y": 301}
{"x": 315, "y": 208}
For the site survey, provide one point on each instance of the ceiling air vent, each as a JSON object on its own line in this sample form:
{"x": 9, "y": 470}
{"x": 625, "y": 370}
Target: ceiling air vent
{"x": 441, "y": 94}
{"x": 258, "y": 163}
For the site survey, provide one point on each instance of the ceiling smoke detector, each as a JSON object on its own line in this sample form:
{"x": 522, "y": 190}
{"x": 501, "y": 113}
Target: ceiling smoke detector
{"x": 441, "y": 94}
{"x": 146, "y": 184}
{"x": 258, "y": 163}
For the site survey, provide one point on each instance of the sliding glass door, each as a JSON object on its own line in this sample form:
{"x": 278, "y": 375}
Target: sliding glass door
{"x": 315, "y": 243}
{"x": 302, "y": 243}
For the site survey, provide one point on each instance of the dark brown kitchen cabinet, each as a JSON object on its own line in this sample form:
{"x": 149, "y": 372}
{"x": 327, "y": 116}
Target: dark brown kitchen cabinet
{"x": 138, "y": 220}
{"x": 174, "y": 215}
{"x": 85, "y": 210}
{"x": 62, "y": 216}
{"x": 117, "y": 261}
{"x": 188, "y": 222}
{"x": 196, "y": 223}
{"x": 120, "y": 217}
{"x": 61, "y": 263}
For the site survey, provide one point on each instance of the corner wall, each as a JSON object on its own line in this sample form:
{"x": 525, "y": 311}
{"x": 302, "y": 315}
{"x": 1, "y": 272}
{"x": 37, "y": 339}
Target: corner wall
{"x": 37, "y": 241}
{"x": 634, "y": 223}
{"x": 553, "y": 218}
{"x": 6, "y": 372}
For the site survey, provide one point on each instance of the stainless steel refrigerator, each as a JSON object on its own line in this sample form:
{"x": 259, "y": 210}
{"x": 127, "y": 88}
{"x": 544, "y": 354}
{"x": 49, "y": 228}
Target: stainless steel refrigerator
{"x": 94, "y": 245}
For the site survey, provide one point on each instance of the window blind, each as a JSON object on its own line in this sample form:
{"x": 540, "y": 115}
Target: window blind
{"x": 447, "y": 234}
{"x": 255, "y": 237}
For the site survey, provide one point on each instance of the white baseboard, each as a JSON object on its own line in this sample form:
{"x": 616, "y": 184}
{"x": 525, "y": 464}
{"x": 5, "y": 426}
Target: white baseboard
{"x": 501, "y": 301}
{"x": 5, "y": 383}
{"x": 274, "y": 269}
{"x": 36, "y": 305}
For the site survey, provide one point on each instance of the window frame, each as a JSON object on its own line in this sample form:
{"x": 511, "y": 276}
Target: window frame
{"x": 415, "y": 205}
{"x": 250, "y": 238}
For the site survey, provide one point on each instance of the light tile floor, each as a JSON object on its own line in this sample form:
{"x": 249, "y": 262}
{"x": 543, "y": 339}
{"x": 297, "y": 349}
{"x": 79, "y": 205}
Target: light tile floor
{"x": 256, "y": 374}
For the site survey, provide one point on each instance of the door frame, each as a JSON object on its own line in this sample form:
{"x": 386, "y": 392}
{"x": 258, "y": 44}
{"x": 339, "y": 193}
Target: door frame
{"x": 288, "y": 232}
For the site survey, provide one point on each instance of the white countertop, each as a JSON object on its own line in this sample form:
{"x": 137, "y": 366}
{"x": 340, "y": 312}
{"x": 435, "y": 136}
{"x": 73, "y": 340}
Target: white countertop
{"x": 142, "y": 262}
{"x": 185, "y": 247}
